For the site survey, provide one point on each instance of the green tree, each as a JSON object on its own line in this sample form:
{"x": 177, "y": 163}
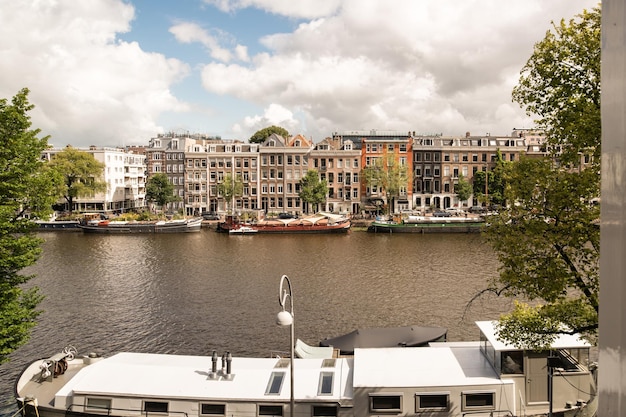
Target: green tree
{"x": 160, "y": 190}
{"x": 463, "y": 189}
{"x": 389, "y": 175}
{"x": 231, "y": 187}
{"x": 547, "y": 239}
{"x": 25, "y": 187}
{"x": 263, "y": 134}
{"x": 81, "y": 173}
{"x": 312, "y": 189}
{"x": 488, "y": 186}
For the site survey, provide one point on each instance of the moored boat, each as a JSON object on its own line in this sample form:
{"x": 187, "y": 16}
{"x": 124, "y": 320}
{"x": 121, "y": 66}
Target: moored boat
{"x": 428, "y": 224}
{"x": 130, "y": 227}
{"x": 54, "y": 225}
{"x": 242, "y": 230}
{"x": 318, "y": 223}
{"x": 445, "y": 379}
{"x": 404, "y": 336}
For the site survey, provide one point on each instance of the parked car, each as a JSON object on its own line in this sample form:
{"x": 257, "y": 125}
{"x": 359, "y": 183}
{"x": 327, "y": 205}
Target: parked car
{"x": 477, "y": 209}
{"x": 210, "y": 216}
{"x": 442, "y": 214}
{"x": 286, "y": 216}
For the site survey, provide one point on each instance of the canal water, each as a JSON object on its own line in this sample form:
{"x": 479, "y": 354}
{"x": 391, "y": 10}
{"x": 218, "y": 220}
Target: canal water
{"x": 193, "y": 293}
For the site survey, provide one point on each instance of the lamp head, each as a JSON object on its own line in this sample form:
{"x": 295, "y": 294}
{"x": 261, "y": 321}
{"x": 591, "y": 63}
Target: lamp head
{"x": 284, "y": 318}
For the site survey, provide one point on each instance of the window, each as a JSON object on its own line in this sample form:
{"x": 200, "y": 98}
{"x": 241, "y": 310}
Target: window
{"x": 275, "y": 384}
{"x": 270, "y": 410}
{"x": 155, "y": 407}
{"x": 213, "y": 409}
{"x": 432, "y": 401}
{"x": 325, "y": 386}
{"x": 512, "y": 362}
{"x": 478, "y": 401}
{"x": 385, "y": 403}
{"x": 324, "y": 411}
{"x": 98, "y": 405}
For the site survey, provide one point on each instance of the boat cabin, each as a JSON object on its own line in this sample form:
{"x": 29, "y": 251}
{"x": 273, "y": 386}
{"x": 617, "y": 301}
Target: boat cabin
{"x": 445, "y": 379}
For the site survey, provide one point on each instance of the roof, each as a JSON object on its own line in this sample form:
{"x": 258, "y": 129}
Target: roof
{"x": 563, "y": 341}
{"x": 442, "y": 366}
{"x": 383, "y": 337}
{"x": 176, "y": 376}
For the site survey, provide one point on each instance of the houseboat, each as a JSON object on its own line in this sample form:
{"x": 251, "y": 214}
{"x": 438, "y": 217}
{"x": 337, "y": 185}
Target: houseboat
{"x": 132, "y": 227}
{"x": 314, "y": 224}
{"x": 428, "y": 224}
{"x": 444, "y": 379}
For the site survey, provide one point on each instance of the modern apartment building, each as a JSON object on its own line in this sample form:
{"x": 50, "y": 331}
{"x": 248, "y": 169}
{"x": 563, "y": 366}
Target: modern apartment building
{"x": 124, "y": 174}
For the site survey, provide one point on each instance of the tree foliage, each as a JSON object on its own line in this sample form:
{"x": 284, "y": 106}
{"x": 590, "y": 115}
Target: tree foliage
{"x": 231, "y": 187}
{"x": 389, "y": 175}
{"x": 263, "y": 134}
{"x": 463, "y": 188}
{"x": 488, "y": 186}
{"x": 81, "y": 173}
{"x": 25, "y": 187}
{"x": 547, "y": 240}
{"x": 312, "y": 189}
{"x": 160, "y": 190}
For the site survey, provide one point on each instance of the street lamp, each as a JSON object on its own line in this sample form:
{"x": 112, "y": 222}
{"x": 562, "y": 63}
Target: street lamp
{"x": 286, "y": 318}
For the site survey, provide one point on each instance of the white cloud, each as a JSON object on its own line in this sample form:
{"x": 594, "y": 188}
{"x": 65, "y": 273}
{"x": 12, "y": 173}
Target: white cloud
{"x": 306, "y": 9}
{"x": 87, "y": 87}
{"x": 274, "y": 115}
{"x": 191, "y": 32}
{"x": 443, "y": 66}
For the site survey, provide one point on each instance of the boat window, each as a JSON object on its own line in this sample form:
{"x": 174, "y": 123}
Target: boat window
{"x": 275, "y": 383}
{"x": 324, "y": 411}
{"x": 98, "y": 405}
{"x": 478, "y": 401}
{"x": 385, "y": 403}
{"x": 213, "y": 409}
{"x": 155, "y": 407}
{"x": 271, "y": 410}
{"x": 512, "y": 362}
{"x": 432, "y": 401}
{"x": 325, "y": 386}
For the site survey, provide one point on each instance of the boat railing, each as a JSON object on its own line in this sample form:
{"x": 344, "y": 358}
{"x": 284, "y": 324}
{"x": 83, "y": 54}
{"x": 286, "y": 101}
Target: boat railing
{"x": 74, "y": 411}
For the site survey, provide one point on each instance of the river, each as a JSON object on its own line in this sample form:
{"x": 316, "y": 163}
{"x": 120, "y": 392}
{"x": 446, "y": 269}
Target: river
{"x": 193, "y": 293}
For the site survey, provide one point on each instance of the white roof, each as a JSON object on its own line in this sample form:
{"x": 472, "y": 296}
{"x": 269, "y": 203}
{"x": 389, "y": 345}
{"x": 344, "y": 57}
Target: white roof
{"x": 175, "y": 376}
{"x": 562, "y": 341}
{"x": 423, "y": 367}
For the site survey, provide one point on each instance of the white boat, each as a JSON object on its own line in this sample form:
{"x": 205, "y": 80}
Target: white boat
{"x": 484, "y": 378}
{"x": 242, "y": 230}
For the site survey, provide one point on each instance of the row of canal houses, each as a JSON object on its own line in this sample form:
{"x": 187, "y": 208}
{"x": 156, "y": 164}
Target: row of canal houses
{"x": 271, "y": 171}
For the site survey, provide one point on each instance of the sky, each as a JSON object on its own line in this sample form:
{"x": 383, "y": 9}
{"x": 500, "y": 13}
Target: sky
{"x": 119, "y": 72}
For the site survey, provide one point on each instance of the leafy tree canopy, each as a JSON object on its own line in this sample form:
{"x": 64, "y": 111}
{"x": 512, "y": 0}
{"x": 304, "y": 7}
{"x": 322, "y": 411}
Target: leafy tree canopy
{"x": 548, "y": 238}
{"x": 387, "y": 174}
{"x": 25, "y": 187}
{"x": 231, "y": 187}
{"x": 160, "y": 190}
{"x": 463, "y": 188}
{"x": 312, "y": 189}
{"x": 81, "y": 173}
{"x": 263, "y": 134}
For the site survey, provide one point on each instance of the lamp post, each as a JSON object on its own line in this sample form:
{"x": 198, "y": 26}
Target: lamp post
{"x": 286, "y": 318}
